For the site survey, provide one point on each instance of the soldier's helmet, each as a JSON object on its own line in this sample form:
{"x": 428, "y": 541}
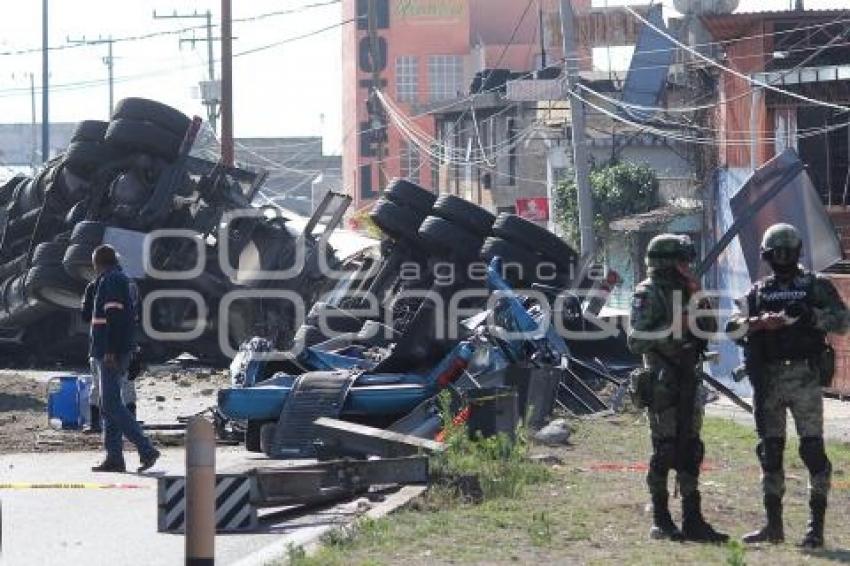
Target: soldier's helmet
{"x": 781, "y": 244}
{"x": 666, "y": 250}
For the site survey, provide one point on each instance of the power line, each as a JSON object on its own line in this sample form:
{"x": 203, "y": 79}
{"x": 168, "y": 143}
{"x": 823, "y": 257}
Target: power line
{"x": 731, "y": 71}
{"x": 164, "y": 33}
{"x": 96, "y": 82}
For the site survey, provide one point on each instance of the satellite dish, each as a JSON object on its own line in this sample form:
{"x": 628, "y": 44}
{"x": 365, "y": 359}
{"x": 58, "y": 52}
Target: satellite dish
{"x": 705, "y": 7}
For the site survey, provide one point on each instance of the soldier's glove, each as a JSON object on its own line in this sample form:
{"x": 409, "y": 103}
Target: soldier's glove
{"x": 801, "y": 312}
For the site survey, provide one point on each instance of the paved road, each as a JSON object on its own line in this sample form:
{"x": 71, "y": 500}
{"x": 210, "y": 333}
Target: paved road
{"x": 105, "y": 526}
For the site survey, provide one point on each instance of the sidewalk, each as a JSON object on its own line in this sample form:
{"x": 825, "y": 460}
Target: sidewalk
{"x": 836, "y": 417}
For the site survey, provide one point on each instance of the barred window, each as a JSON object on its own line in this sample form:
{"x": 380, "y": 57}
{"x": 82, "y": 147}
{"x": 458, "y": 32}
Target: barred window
{"x": 445, "y": 77}
{"x": 407, "y": 78}
{"x": 410, "y": 162}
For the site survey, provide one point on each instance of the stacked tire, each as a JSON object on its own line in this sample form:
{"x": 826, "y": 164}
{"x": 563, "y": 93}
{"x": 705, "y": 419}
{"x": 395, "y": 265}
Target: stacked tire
{"x": 402, "y": 209}
{"x": 47, "y": 280}
{"x": 88, "y": 150}
{"x": 543, "y": 256}
{"x": 146, "y": 126}
{"x": 84, "y": 239}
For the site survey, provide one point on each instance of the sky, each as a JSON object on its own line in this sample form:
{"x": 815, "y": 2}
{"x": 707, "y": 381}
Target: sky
{"x": 293, "y": 89}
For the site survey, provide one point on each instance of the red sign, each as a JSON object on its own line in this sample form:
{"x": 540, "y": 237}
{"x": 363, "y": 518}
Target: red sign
{"x": 535, "y": 209}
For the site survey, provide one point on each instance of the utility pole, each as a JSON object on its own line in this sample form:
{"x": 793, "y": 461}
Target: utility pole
{"x": 541, "y": 31}
{"x": 45, "y": 87}
{"x": 34, "y": 152}
{"x": 226, "y": 83}
{"x": 210, "y": 90}
{"x": 577, "y": 118}
{"x": 109, "y": 61}
{"x": 376, "y": 82}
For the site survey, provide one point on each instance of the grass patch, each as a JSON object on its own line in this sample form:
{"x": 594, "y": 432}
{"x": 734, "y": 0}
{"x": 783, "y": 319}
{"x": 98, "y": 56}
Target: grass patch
{"x": 593, "y": 508}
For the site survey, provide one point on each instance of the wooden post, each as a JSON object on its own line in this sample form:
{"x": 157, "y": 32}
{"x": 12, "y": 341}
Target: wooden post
{"x": 200, "y": 492}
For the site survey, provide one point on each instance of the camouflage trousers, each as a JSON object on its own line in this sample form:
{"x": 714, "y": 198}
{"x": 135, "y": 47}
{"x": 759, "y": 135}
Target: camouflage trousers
{"x": 792, "y": 386}
{"x": 666, "y": 444}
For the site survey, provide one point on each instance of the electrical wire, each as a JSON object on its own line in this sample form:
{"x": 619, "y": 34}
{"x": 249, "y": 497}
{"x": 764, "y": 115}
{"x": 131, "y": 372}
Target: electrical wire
{"x": 731, "y": 71}
{"x": 164, "y": 33}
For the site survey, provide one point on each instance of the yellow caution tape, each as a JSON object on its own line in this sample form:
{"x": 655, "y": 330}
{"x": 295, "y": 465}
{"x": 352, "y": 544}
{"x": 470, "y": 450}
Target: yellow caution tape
{"x": 63, "y": 485}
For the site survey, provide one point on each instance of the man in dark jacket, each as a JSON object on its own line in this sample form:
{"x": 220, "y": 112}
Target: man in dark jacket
{"x": 111, "y": 345}
{"x": 128, "y": 387}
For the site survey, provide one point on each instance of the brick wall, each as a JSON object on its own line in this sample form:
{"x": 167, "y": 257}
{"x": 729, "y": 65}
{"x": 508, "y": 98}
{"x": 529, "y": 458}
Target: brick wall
{"x": 841, "y": 383}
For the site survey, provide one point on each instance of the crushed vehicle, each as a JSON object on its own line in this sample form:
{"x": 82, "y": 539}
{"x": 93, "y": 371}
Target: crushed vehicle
{"x": 386, "y": 337}
{"x": 187, "y": 229}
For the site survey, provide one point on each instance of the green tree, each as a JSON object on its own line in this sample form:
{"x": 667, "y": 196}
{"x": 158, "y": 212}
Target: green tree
{"x": 619, "y": 189}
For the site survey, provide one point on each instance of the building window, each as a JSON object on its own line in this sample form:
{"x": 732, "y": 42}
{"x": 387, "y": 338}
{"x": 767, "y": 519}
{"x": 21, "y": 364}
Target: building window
{"x": 407, "y": 78}
{"x": 445, "y": 77}
{"x": 410, "y": 162}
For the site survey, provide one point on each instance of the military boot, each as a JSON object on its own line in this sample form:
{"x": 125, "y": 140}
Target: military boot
{"x": 773, "y": 531}
{"x": 694, "y": 526}
{"x": 663, "y": 527}
{"x": 814, "y": 531}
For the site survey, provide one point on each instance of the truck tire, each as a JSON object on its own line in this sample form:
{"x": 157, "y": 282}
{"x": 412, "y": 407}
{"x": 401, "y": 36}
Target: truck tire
{"x": 144, "y": 137}
{"x": 49, "y": 253}
{"x": 89, "y": 131}
{"x": 51, "y": 284}
{"x": 511, "y": 254}
{"x": 396, "y": 221}
{"x": 535, "y": 238}
{"x": 83, "y": 158}
{"x": 77, "y": 262}
{"x": 13, "y": 267}
{"x": 465, "y": 214}
{"x": 445, "y": 239}
{"x": 411, "y": 195}
{"x": 143, "y": 109}
{"x": 89, "y": 233}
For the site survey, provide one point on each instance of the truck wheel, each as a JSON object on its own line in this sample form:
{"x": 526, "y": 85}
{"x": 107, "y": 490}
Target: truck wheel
{"x": 446, "y": 239}
{"x": 145, "y": 137}
{"x": 267, "y": 430}
{"x": 396, "y": 221}
{"x": 84, "y": 157}
{"x": 405, "y": 193}
{"x": 536, "y": 239}
{"x": 143, "y": 109}
{"x": 465, "y": 214}
{"x": 89, "y": 131}
{"x": 77, "y": 262}
{"x": 53, "y": 285}
{"x": 89, "y": 233}
{"x": 511, "y": 255}
{"x": 49, "y": 253}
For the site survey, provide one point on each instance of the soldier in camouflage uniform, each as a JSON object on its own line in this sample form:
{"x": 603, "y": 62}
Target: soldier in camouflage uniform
{"x": 783, "y": 325}
{"x": 659, "y": 332}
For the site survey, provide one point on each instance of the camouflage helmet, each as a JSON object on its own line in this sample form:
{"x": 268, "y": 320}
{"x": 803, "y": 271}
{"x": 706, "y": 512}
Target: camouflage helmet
{"x": 666, "y": 250}
{"x": 782, "y": 236}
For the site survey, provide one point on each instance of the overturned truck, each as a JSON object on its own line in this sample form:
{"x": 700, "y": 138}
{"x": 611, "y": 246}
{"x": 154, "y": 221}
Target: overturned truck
{"x": 187, "y": 231}
{"x": 452, "y": 299}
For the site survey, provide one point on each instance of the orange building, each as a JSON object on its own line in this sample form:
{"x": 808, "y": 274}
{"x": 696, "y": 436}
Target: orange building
{"x": 427, "y": 51}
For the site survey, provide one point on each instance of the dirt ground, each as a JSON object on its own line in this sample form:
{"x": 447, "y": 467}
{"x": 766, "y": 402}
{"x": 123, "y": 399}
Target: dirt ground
{"x": 594, "y": 510}
{"x": 164, "y": 394}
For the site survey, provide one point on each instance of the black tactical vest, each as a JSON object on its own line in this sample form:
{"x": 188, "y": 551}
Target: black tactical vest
{"x": 798, "y": 341}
